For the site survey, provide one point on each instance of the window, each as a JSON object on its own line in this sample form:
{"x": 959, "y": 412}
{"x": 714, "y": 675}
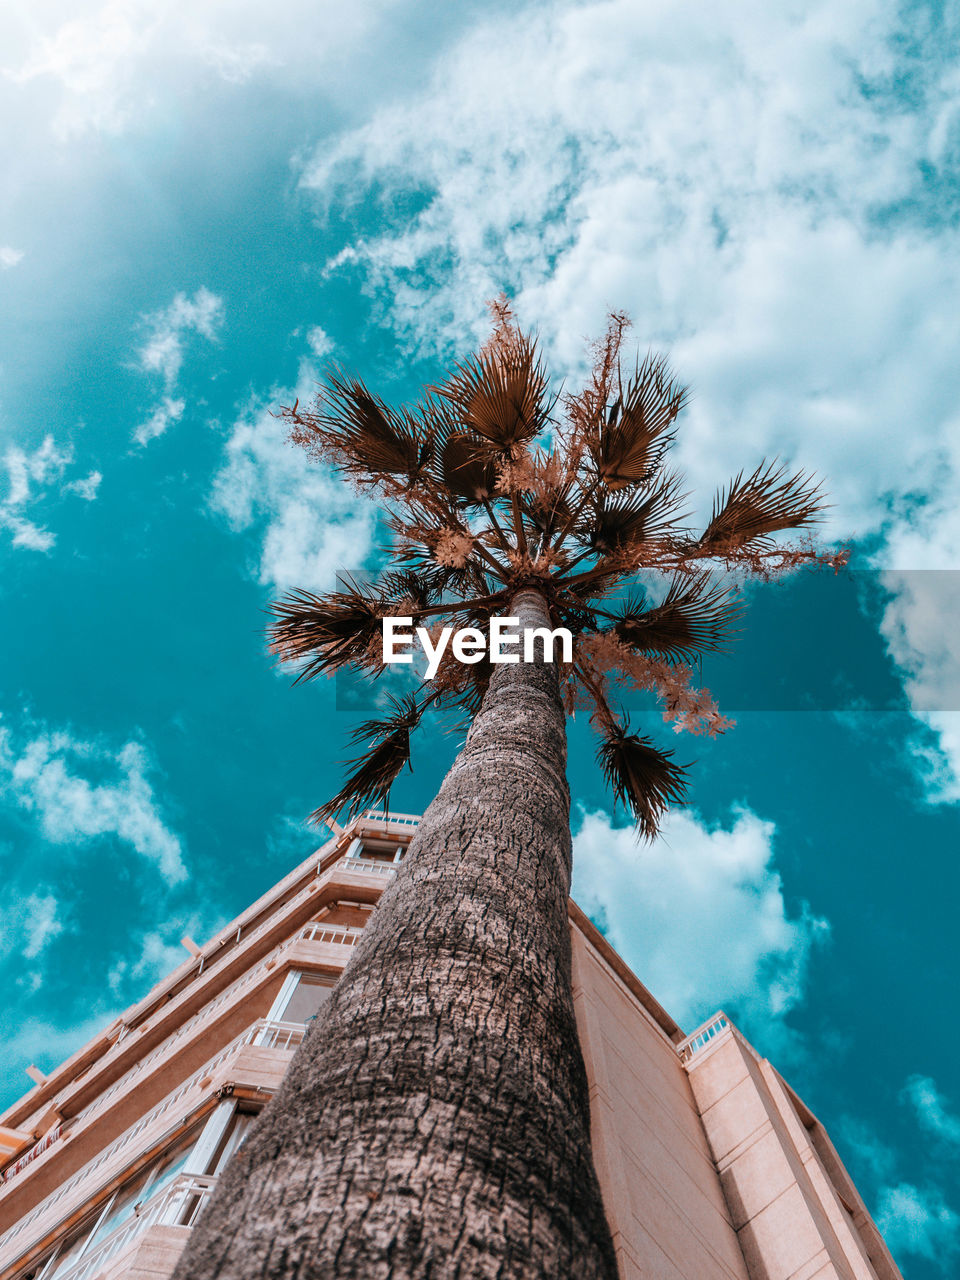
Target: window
{"x": 303, "y": 998}
{"x": 202, "y": 1152}
{"x": 372, "y": 850}
{"x": 234, "y": 1138}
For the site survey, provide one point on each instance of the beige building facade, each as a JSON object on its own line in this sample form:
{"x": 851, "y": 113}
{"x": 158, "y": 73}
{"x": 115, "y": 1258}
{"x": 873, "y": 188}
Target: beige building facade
{"x": 711, "y": 1166}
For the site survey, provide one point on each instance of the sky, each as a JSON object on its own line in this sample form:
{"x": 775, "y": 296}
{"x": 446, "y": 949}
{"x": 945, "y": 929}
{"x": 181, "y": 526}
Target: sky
{"x": 202, "y": 203}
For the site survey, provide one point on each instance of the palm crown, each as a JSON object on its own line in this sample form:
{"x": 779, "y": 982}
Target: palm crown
{"x": 492, "y": 483}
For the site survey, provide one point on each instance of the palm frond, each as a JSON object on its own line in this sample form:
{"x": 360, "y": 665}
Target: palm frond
{"x": 469, "y": 469}
{"x": 330, "y": 630}
{"x": 361, "y": 435}
{"x": 376, "y": 770}
{"x": 753, "y": 508}
{"x": 501, "y": 394}
{"x": 632, "y": 440}
{"x": 627, "y": 519}
{"x": 420, "y": 589}
{"x": 642, "y": 778}
{"x": 691, "y": 619}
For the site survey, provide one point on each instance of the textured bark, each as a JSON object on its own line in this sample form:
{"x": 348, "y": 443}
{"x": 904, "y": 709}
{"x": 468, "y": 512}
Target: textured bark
{"x": 435, "y": 1121}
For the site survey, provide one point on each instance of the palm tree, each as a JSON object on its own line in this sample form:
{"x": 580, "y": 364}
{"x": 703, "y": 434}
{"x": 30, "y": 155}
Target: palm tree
{"x": 435, "y": 1121}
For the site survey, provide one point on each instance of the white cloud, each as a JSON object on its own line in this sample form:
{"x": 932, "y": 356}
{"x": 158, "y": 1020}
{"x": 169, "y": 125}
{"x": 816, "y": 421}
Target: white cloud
{"x": 319, "y": 341}
{"x": 163, "y": 352}
{"x": 30, "y": 924}
{"x": 9, "y": 257}
{"x": 87, "y": 488}
{"x": 918, "y": 1222}
{"x": 24, "y": 533}
{"x": 40, "y": 1042}
{"x": 156, "y": 952}
{"x": 926, "y": 649}
{"x": 29, "y": 474}
{"x": 931, "y": 1109}
{"x": 42, "y": 923}
{"x": 699, "y": 914}
{"x": 167, "y": 412}
{"x": 49, "y": 776}
{"x": 24, "y": 470}
{"x": 310, "y": 523}
{"x": 110, "y": 67}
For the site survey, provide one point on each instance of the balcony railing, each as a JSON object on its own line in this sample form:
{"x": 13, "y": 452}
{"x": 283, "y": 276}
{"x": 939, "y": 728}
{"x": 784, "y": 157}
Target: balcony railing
{"x": 28, "y": 1157}
{"x": 277, "y": 1035}
{"x": 367, "y": 865}
{"x": 702, "y": 1036}
{"x": 343, "y": 935}
{"x": 394, "y": 819}
{"x": 202, "y": 1017}
{"x": 176, "y": 1205}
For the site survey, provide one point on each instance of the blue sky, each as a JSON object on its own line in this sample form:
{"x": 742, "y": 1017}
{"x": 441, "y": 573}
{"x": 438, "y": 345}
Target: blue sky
{"x": 201, "y": 204}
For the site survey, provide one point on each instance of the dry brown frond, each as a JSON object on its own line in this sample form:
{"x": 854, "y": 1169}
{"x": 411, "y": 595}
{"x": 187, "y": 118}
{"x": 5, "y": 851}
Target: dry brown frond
{"x": 502, "y": 396}
{"x": 330, "y": 630}
{"x": 361, "y": 436}
{"x": 635, "y": 432}
{"x": 469, "y": 468}
{"x": 626, "y": 520}
{"x": 641, "y": 777}
{"x": 751, "y": 509}
{"x": 693, "y": 618}
{"x": 376, "y": 770}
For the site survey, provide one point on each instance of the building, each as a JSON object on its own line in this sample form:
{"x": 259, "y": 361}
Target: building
{"x": 711, "y": 1166}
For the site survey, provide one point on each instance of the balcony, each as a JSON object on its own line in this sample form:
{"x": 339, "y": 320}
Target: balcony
{"x": 704, "y": 1034}
{"x": 86, "y": 1182}
{"x": 178, "y": 1204}
{"x": 710, "y": 1031}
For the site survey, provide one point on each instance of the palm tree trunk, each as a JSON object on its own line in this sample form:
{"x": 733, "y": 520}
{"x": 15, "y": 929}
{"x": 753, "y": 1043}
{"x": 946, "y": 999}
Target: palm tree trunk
{"x": 435, "y": 1122}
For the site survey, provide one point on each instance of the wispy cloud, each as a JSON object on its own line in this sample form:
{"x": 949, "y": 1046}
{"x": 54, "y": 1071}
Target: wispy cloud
{"x": 309, "y": 523}
{"x": 47, "y": 1044}
{"x": 51, "y": 776}
{"x": 163, "y": 352}
{"x": 29, "y": 475}
{"x": 87, "y": 488}
{"x": 699, "y": 914}
{"x": 157, "y": 951}
{"x": 931, "y": 1109}
{"x": 166, "y": 413}
{"x": 10, "y": 257}
{"x": 319, "y": 341}
{"x": 926, "y": 649}
{"x": 915, "y": 1220}
{"x": 42, "y": 923}
{"x": 914, "y": 1217}
{"x": 109, "y": 67}
{"x": 30, "y": 923}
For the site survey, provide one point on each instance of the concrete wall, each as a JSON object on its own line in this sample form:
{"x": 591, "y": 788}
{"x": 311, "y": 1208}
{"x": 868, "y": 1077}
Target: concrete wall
{"x": 797, "y": 1215}
{"x": 661, "y": 1190}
